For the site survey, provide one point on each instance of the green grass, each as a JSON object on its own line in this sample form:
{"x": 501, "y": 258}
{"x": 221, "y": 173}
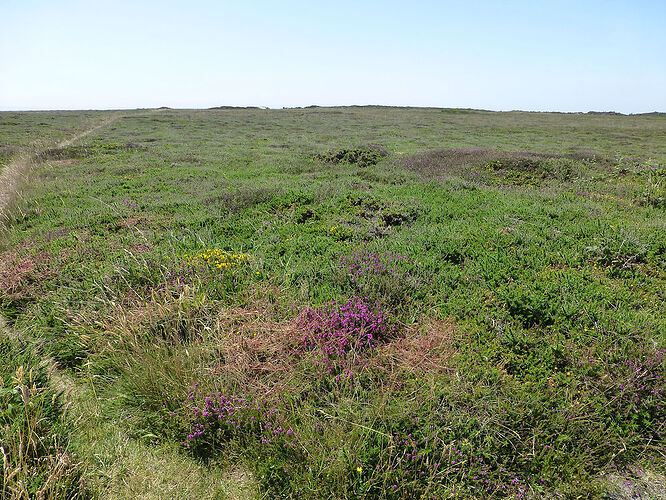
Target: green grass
{"x": 36, "y": 455}
{"x": 518, "y": 259}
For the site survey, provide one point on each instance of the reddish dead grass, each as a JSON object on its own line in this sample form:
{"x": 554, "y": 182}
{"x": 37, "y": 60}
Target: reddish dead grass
{"x": 137, "y": 220}
{"x": 250, "y": 346}
{"x": 23, "y": 276}
{"x": 258, "y": 347}
{"x": 262, "y": 353}
{"x": 422, "y": 350}
{"x": 258, "y": 351}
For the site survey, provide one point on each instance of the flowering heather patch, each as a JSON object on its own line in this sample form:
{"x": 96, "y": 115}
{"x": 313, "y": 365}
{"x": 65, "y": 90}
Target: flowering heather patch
{"x": 367, "y": 264}
{"x": 340, "y": 331}
{"x": 387, "y": 277}
{"x": 128, "y": 203}
{"x": 211, "y": 419}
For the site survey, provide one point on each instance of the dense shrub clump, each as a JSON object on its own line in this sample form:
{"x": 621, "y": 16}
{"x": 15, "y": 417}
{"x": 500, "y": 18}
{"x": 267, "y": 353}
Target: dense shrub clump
{"x": 362, "y": 157}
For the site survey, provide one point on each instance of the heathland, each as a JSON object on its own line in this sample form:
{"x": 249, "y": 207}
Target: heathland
{"x": 359, "y": 302}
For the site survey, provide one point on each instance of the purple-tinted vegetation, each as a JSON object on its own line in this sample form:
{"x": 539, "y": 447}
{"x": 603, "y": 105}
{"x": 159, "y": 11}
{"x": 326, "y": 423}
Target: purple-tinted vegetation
{"x": 365, "y": 263}
{"x": 338, "y": 330}
{"x": 209, "y": 419}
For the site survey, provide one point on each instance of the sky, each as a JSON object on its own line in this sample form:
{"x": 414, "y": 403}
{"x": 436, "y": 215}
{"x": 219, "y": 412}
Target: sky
{"x": 533, "y": 55}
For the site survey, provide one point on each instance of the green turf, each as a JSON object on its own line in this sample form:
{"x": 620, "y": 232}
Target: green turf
{"x": 517, "y": 262}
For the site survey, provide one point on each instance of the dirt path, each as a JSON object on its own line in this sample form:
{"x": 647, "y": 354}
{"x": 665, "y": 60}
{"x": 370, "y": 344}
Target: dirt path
{"x": 14, "y": 174}
{"x": 108, "y": 121}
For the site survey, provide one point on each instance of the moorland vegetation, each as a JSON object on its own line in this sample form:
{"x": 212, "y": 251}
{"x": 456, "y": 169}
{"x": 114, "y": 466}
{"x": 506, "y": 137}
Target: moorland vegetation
{"x": 334, "y": 303}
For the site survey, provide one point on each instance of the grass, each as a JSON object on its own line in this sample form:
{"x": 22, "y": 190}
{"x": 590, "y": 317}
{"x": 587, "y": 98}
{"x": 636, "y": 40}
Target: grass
{"x": 36, "y": 459}
{"x": 345, "y": 302}
{"x": 128, "y": 465}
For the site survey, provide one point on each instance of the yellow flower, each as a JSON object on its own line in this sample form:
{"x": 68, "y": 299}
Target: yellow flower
{"x": 359, "y": 469}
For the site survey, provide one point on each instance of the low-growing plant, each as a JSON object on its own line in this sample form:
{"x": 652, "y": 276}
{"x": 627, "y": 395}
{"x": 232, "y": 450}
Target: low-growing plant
{"x": 362, "y": 157}
{"x": 342, "y": 332}
{"x": 389, "y": 278}
{"x": 212, "y": 420}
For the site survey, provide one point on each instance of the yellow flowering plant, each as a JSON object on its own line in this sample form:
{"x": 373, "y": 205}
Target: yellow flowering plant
{"x": 217, "y": 258}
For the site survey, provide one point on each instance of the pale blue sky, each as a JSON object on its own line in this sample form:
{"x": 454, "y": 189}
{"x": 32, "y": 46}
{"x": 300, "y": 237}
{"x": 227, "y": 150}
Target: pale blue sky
{"x": 531, "y": 55}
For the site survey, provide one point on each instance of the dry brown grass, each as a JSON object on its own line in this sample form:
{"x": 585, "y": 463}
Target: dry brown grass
{"x": 261, "y": 351}
{"x": 23, "y": 276}
{"x": 257, "y": 349}
{"x": 427, "y": 349}
{"x": 137, "y": 220}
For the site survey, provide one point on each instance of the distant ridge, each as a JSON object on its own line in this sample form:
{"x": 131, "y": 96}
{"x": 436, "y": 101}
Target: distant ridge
{"x": 468, "y": 110}
{"x": 356, "y": 106}
{"x": 239, "y": 107}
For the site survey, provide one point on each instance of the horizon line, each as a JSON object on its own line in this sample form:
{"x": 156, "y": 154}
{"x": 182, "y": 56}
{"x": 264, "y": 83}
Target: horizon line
{"x": 315, "y": 106}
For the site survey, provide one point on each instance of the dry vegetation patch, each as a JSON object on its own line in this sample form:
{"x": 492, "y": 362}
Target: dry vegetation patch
{"x": 506, "y": 167}
{"x": 23, "y": 276}
{"x": 256, "y": 349}
{"x": 427, "y": 348}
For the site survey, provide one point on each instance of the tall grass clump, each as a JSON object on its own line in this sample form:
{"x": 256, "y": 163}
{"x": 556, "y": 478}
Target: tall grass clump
{"x": 36, "y": 462}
